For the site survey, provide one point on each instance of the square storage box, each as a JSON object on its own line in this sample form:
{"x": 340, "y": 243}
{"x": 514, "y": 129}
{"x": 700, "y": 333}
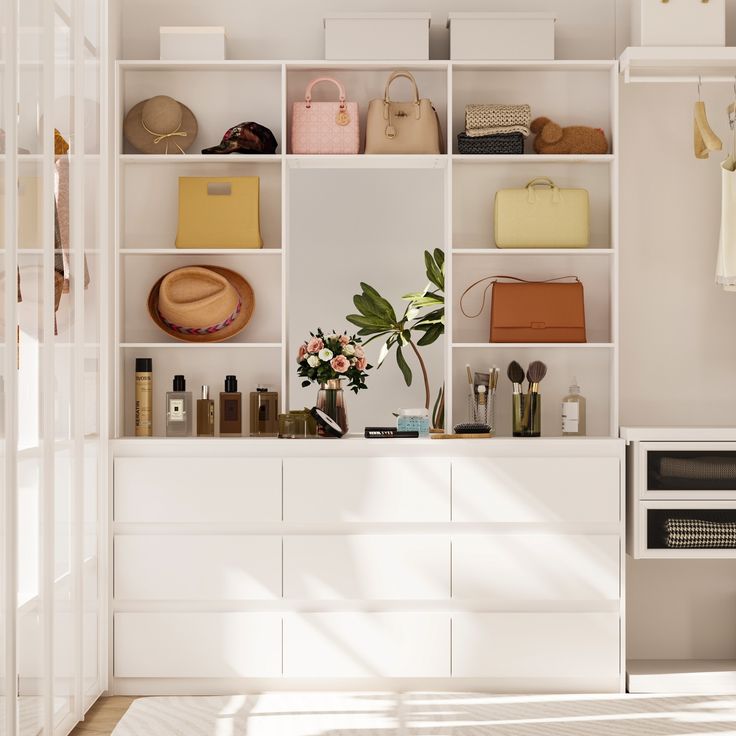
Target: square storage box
{"x": 377, "y": 36}
{"x": 480, "y": 36}
{"x": 681, "y": 23}
{"x": 192, "y": 43}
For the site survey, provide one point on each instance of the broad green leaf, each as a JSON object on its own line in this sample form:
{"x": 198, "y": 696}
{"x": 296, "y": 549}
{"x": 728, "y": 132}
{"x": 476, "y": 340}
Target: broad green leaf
{"x": 431, "y": 335}
{"x": 367, "y": 322}
{"x": 368, "y": 308}
{"x": 404, "y": 366}
{"x": 434, "y": 273}
{"x": 439, "y": 259}
{"x": 379, "y": 301}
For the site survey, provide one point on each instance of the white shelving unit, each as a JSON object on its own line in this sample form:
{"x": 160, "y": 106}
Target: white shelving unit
{"x": 224, "y": 93}
{"x": 678, "y": 64}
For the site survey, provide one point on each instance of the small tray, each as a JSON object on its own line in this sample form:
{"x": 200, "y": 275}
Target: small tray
{"x": 485, "y": 436}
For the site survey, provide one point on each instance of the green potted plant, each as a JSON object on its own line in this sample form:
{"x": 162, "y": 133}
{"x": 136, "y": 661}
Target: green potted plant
{"x": 421, "y": 324}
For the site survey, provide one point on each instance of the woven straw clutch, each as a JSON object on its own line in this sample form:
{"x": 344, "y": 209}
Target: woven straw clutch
{"x": 490, "y": 119}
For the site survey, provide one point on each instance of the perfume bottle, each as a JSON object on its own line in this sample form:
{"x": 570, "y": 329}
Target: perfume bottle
{"x": 264, "y": 413}
{"x": 573, "y": 412}
{"x": 179, "y": 409}
{"x": 231, "y": 408}
{"x": 205, "y": 414}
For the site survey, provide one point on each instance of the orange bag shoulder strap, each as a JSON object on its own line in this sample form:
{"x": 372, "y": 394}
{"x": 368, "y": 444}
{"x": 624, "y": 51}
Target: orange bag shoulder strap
{"x": 492, "y": 280}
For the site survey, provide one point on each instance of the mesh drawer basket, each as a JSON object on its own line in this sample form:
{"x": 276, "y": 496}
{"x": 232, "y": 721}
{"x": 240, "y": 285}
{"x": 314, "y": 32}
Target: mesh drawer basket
{"x": 499, "y": 143}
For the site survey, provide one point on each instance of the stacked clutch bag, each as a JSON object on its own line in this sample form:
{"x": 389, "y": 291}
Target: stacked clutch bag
{"x": 494, "y": 129}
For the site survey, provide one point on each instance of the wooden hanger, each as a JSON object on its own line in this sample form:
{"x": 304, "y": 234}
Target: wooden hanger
{"x": 705, "y": 140}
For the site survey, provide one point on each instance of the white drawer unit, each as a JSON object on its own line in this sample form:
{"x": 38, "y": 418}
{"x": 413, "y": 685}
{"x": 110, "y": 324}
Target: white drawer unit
{"x": 367, "y": 645}
{"x": 359, "y": 567}
{"x": 197, "y": 489}
{"x": 197, "y": 567}
{"x": 536, "y": 489}
{"x": 200, "y": 645}
{"x": 536, "y": 645}
{"x": 395, "y": 489}
{"x": 536, "y": 567}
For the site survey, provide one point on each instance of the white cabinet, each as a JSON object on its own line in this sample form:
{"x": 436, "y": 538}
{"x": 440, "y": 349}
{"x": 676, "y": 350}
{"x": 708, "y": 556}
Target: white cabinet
{"x": 376, "y": 489}
{"x": 197, "y": 645}
{"x": 367, "y": 645}
{"x": 536, "y": 567}
{"x": 358, "y": 567}
{"x": 535, "y": 645}
{"x": 161, "y": 567}
{"x": 536, "y": 489}
{"x": 197, "y": 489}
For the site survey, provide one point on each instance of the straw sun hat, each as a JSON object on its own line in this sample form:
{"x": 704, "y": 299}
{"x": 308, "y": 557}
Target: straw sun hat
{"x": 201, "y": 303}
{"x": 160, "y": 125}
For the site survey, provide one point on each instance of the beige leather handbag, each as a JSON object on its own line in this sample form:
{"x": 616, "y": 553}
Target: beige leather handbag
{"x": 541, "y": 215}
{"x": 402, "y": 127}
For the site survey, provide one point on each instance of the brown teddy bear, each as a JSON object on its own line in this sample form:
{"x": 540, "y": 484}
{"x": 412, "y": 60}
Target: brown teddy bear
{"x": 553, "y": 138}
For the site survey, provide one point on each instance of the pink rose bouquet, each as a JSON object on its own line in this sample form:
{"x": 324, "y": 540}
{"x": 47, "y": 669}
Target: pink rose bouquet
{"x": 323, "y": 358}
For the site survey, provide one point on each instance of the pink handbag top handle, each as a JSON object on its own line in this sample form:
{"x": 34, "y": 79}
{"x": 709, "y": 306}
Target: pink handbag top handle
{"x": 340, "y": 88}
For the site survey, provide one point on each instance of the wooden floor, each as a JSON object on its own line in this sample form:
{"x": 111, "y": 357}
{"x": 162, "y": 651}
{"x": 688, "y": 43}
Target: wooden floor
{"x": 103, "y": 716}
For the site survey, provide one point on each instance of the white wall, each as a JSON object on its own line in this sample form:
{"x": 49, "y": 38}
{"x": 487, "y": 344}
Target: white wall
{"x": 678, "y": 331}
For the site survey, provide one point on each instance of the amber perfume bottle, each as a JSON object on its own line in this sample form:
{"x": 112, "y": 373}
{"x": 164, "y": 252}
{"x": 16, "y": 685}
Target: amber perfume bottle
{"x": 264, "y": 413}
{"x": 231, "y": 408}
{"x": 205, "y": 414}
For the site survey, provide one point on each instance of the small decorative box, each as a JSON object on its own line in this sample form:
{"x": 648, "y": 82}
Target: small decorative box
{"x": 192, "y": 43}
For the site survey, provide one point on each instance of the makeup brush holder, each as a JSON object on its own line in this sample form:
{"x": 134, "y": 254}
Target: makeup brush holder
{"x": 517, "y": 414}
{"x": 532, "y": 427}
{"x": 484, "y": 413}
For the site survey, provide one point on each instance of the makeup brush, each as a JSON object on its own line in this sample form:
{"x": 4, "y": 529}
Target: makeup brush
{"x": 515, "y": 374}
{"x": 535, "y": 375}
{"x": 471, "y": 393}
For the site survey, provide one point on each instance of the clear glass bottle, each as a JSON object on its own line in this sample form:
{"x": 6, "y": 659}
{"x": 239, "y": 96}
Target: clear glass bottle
{"x": 573, "y": 412}
{"x": 205, "y": 414}
{"x": 179, "y": 409}
{"x": 413, "y": 420}
{"x": 231, "y": 408}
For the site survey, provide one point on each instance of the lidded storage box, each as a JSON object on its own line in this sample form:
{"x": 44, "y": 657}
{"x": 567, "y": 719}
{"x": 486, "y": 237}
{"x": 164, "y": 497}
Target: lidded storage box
{"x": 377, "y": 36}
{"x": 479, "y": 36}
{"x": 681, "y": 23}
{"x": 192, "y": 43}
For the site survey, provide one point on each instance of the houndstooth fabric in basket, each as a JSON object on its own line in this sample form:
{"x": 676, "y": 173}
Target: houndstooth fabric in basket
{"x": 491, "y": 119}
{"x": 699, "y": 534}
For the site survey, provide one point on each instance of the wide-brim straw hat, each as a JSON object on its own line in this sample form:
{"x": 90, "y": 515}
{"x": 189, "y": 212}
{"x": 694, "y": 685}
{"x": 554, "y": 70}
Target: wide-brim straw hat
{"x": 201, "y": 303}
{"x": 160, "y": 124}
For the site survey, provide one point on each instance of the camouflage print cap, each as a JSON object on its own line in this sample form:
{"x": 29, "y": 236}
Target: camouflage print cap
{"x": 246, "y": 138}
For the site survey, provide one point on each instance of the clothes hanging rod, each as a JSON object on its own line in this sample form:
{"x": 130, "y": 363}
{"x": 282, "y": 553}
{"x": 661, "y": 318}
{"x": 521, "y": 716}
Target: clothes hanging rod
{"x": 692, "y": 79}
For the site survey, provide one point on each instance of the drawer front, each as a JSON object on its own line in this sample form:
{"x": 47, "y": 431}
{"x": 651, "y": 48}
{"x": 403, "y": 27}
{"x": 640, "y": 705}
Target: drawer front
{"x": 572, "y": 567}
{"x": 181, "y": 490}
{"x": 535, "y": 645}
{"x": 536, "y": 489}
{"x": 197, "y": 567}
{"x": 367, "y": 645}
{"x": 197, "y": 645}
{"x": 367, "y": 490}
{"x": 387, "y": 567}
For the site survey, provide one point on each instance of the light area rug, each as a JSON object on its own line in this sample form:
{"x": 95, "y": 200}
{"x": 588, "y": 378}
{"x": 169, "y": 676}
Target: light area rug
{"x": 429, "y": 714}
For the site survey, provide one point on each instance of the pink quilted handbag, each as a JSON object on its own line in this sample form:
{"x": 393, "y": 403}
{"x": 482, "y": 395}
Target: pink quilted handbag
{"x": 325, "y": 127}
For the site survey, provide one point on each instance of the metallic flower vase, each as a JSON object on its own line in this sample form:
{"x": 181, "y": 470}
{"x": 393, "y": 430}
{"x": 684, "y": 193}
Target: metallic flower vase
{"x": 331, "y": 400}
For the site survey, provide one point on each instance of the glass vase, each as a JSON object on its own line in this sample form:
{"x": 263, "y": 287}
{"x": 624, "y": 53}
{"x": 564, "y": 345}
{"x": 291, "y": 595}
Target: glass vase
{"x": 331, "y": 400}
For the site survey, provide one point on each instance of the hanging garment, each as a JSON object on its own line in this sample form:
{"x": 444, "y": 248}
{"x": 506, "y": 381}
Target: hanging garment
{"x": 726, "y": 262}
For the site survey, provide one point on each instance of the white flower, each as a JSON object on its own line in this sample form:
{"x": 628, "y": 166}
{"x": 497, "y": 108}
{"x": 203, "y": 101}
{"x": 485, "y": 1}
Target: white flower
{"x": 333, "y": 336}
{"x": 313, "y": 361}
{"x": 325, "y": 355}
{"x": 348, "y": 350}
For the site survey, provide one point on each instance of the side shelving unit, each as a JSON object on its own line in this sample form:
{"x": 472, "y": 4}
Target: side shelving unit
{"x": 224, "y": 93}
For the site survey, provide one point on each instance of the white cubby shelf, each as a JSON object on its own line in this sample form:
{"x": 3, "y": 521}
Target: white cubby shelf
{"x": 224, "y": 93}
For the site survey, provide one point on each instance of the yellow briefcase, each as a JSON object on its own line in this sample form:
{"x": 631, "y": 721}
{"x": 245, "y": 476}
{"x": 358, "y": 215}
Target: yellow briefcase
{"x": 219, "y": 212}
{"x": 541, "y": 215}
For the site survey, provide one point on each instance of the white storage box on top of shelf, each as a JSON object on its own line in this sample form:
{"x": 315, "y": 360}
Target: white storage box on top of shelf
{"x": 192, "y": 43}
{"x": 479, "y": 36}
{"x": 681, "y": 23}
{"x": 377, "y": 36}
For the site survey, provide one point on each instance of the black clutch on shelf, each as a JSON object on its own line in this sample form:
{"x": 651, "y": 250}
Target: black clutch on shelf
{"x": 498, "y": 143}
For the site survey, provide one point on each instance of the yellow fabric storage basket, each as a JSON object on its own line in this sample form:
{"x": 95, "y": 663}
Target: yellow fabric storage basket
{"x": 219, "y": 212}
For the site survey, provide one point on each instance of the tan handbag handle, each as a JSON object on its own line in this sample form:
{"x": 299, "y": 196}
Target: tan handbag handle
{"x": 502, "y": 276}
{"x": 541, "y": 181}
{"x": 396, "y": 75}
